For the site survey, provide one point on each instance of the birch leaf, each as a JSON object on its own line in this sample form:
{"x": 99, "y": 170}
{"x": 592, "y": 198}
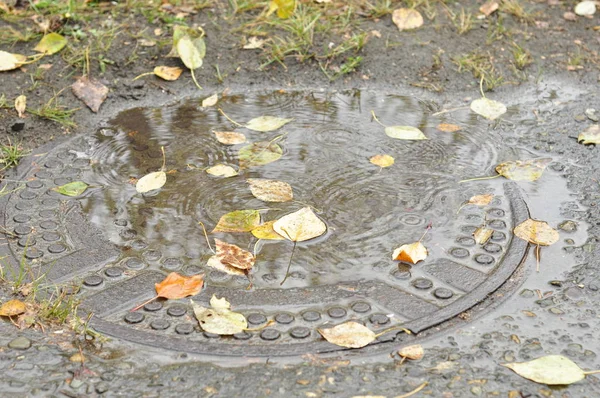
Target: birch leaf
{"x": 413, "y": 352}
{"x": 230, "y": 137}
{"x": 169, "y": 73}
{"x": 267, "y": 123}
{"x": 21, "y": 105}
{"x": 300, "y": 226}
{"x": 259, "y": 154}
{"x": 210, "y": 101}
{"x": 536, "y": 232}
{"x": 234, "y": 256}
{"x": 482, "y": 235}
{"x": 219, "y": 319}
{"x": 481, "y": 200}
{"x": 405, "y": 133}
{"x": 591, "y": 135}
{"x": 550, "y": 369}
{"x": 215, "y": 263}
{"x": 189, "y": 52}
{"x": 238, "y": 221}
{"x": 74, "y": 188}
{"x": 410, "y": 253}
{"x": 382, "y": 160}
{"x": 51, "y": 43}
{"x": 488, "y": 108}
{"x": 151, "y": 181}
{"x": 350, "y": 335}
{"x": 222, "y": 170}
{"x": 270, "y": 190}
{"x": 9, "y": 61}
{"x": 265, "y": 231}
{"x": 526, "y": 170}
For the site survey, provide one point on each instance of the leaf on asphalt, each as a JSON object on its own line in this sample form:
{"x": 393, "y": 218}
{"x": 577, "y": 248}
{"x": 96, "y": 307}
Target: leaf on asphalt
{"x": 482, "y": 235}
{"x": 488, "y": 108}
{"x": 254, "y": 43}
{"x": 489, "y": 7}
{"x": 230, "y": 137}
{"x": 300, "y": 226}
{"x": 151, "y": 181}
{"x": 176, "y": 286}
{"x": 284, "y": 8}
{"x": 210, "y": 101}
{"x": 591, "y": 135}
{"x": 267, "y": 123}
{"x": 12, "y": 308}
{"x": 410, "y": 253}
{"x": 382, "y": 160}
{"x": 219, "y": 319}
{"x": 481, "y": 200}
{"x": 181, "y": 31}
{"x": 585, "y": 8}
{"x": 74, "y": 188}
{"x": 51, "y": 44}
{"x": 550, "y": 369}
{"x": 523, "y": 170}
{"x": 21, "y": 105}
{"x": 9, "y": 61}
{"x": 414, "y": 352}
{"x": 407, "y": 19}
{"x": 215, "y": 263}
{"x": 190, "y": 52}
{"x": 90, "y": 91}
{"x": 259, "y": 154}
{"x": 448, "y": 128}
{"x": 238, "y": 221}
{"x": 405, "y": 133}
{"x": 350, "y": 335}
{"x": 265, "y": 231}
{"x": 234, "y": 256}
{"x": 270, "y": 190}
{"x": 169, "y": 73}
{"x": 222, "y": 170}
{"x": 536, "y": 232}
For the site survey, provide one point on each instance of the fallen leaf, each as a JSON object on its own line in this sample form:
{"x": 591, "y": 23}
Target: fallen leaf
{"x": 169, "y": 73}
{"x": 176, "y": 286}
{"x": 488, "y": 108}
{"x": 222, "y": 170}
{"x": 407, "y": 18}
{"x": 180, "y": 32}
{"x": 405, "y": 133}
{"x": 300, "y": 226}
{"x": 234, "y": 256}
{"x": 230, "y": 137}
{"x": 189, "y": 52}
{"x": 591, "y": 135}
{"x": 448, "y": 128}
{"x": 410, "y": 253}
{"x": 238, "y": 221}
{"x": 585, "y": 8}
{"x": 259, "y": 154}
{"x": 267, "y": 123}
{"x": 382, "y": 160}
{"x": 284, "y": 8}
{"x": 270, "y": 190}
{"x": 536, "y": 232}
{"x": 570, "y": 16}
{"x": 219, "y": 319}
{"x": 481, "y": 200}
{"x": 9, "y": 61}
{"x": 90, "y": 91}
{"x": 526, "y": 170}
{"x": 266, "y": 231}
{"x": 77, "y": 357}
{"x": 74, "y": 188}
{"x": 146, "y": 42}
{"x": 489, "y": 7}
{"x": 210, "y": 101}
{"x": 482, "y": 235}
{"x": 151, "y": 181}
{"x": 350, "y": 335}
{"x": 12, "y": 308}
{"x": 215, "y": 263}
{"x": 550, "y": 369}
{"x": 254, "y": 43}
{"x": 21, "y": 105}
{"x": 51, "y": 43}
{"x": 413, "y": 352}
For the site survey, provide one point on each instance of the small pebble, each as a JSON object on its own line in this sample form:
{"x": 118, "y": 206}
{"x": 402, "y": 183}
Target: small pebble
{"x": 20, "y": 343}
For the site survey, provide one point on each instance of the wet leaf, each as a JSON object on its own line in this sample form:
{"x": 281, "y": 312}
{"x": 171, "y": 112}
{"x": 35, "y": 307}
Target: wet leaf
{"x": 481, "y": 200}
{"x": 410, "y": 253}
{"x": 489, "y": 7}
{"x": 350, "y": 335}
{"x": 90, "y": 91}
{"x": 591, "y": 135}
{"x": 526, "y": 170}
{"x": 382, "y": 160}
{"x": 267, "y": 123}
{"x": 51, "y": 43}
{"x": 270, "y": 190}
{"x": 230, "y": 137}
{"x": 12, "y": 308}
{"x": 74, "y": 188}
{"x": 9, "y": 61}
{"x": 238, "y": 221}
{"x": 259, "y": 154}
{"x": 193, "y": 34}
{"x": 254, "y": 43}
{"x": 266, "y": 231}
{"x": 151, "y": 181}
{"x": 482, "y": 235}
{"x": 448, "y": 128}
{"x": 176, "y": 286}
{"x": 169, "y": 73}
{"x": 407, "y": 18}
{"x": 215, "y": 263}
{"x": 234, "y": 256}
{"x": 219, "y": 319}
{"x": 21, "y": 105}
{"x": 210, "y": 101}
{"x": 413, "y": 352}
{"x": 222, "y": 170}
{"x": 488, "y": 108}
{"x": 405, "y": 133}
{"x": 536, "y": 232}
{"x": 300, "y": 226}
{"x": 285, "y": 8}
{"x": 550, "y": 369}
{"x": 585, "y": 8}
{"x": 189, "y": 52}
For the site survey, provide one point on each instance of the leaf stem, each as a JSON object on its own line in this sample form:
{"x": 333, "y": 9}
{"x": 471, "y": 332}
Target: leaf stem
{"x": 377, "y": 120}
{"x": 479, "y": 178}
{"x": 537, "y": 258}
{"x": 591, "y": 372}
{"x": 142, "y": 75}
{"x": 194, "y": 79}
{"x": 230, "y": 119}
{"x": 413, "y": 392}
{"x": 287, "y": 272}
{"x": 481, "y": 86}
{"x": 162, "y": 149}
{"x": 429, "y": 226}
{"x": 392, "y": 329}
{"x": 206, "y": 236}
{"x": 143, "y": 304}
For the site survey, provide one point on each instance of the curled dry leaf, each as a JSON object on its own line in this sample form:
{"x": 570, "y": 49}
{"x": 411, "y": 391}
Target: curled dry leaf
{"x": 9, "y": 61}
{"x": 219, "y": 319}
{"x": 234, "y": 256}
{"x": 210, "y": 101}
{"x": 266, "y": 231}
{"x": 382, "y": 160}
{"x": 489, "y": 7}
{"x": 12, "y": 308}
{"x": 74, "y": 188}
{"x": 151, "y": 181}
{"x": 448, "y": 128}
{"x": 21, "y": 105}
{"x": 176, "y": 286}
{"x": 550, "y": 369}
{"x": 526, "y": 170}
{"x": 254, "y": 43}
{"x": 300, "y": 226}
{"x": 482, "y": 235}
{"x": 536, "y": 232}
{"x": 90, "y": 91}
{"x": 267, "y": 123}
{"x": 585, "y": 8}
{"x": 230, "y": 137}
{"x": 215, "y": 263}
{"x": 407, "y": 18}
{"x": 169, "y": 73}
{"x": 488, "y": 108}
{"x": 350, "y": 335}
{"x": 591, "y": 135}
{"x": 259, "y": 154}
{"x": 270, "y": 190}
{"x": 238, "y": 221}
{"x": 405, "y": 133}
{"x": 51, "y": 43}
{"x": 222, "y": 170}
{"x": 410, "y": 253}
{"x": 414, "y": 352}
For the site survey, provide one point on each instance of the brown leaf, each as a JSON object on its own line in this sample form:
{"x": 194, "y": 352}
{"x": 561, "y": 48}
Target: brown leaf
{"x": 412, "y": 352}
{"x": 176, "y": 286}
{"x": 230, "y": 137}
{"x": 448, "y": 128}
{"x": 407, "y": 18}
{"x": 489, "y": 7}
{"x": 270, "y": 190}
{"x": 12, "y": 308}
{"x": 481, "y": 200}
{"x": 168, "y": 73}
{"x": 90, "y": 91}
{"x": 411, "y": 253}
{"x": 233, "y": 255}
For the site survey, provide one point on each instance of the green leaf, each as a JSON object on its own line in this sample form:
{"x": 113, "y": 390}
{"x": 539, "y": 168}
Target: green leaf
{"x": 51, "y": 44}
{"x": 405, "y": 133}
{"x": 267, "y": 123}
{"x": 488, "y": 108}
{"x": 189, "y": 53}
{"x": 238, "y": 221}
{"x": 259, "y": 154}
{"x": 182, "y": 31}
{"x": 75, "y": 188}
{"x": 551, "y": 370}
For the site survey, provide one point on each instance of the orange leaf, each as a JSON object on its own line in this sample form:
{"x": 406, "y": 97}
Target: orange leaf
{"x": 176, "y": 286}
{"x": 410, "y": 253}
{"x": 12, "y": 308}
{"x": 233, "y": 255}
{"x": 448, "y": 128}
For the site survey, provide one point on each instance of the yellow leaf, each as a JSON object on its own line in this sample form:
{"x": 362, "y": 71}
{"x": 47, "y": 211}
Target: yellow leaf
{"x": 488, "y": 108}
{"x": 550, "y": 369}
{"x": 270, "y": 190}
{"x": 407, "y": 18}
{"x": 210, "y": 101}
{"x": 591, "y": 135}
{"x": 12, "y": 308}
{"x": 222, "y": 170}
{"x": 285, "y": 8}
{"x": 382, "y": 160}
{"x": 169, "y": 73}
{"x": 410, "y": 253}
{"x": 526, "y": 170}
{"x": 266, "y": 231}
{"x": 536, "y": 232}
{"x": 10, "y": 61}
{"x": 238, "y": 221}
{"x": 151, "y": 181}
{"x": 448, "y": 128}
{"x": 412, "y": 352}
{"x": 482, "y": 235}
{"x": 350, "y": 335}
{"x": 21, "y": 105}
{"x": 481, "y": 200}
{"x": 51, "y": 43}
{"x": 230, "y": 137}
{"x": 300, "y": 226}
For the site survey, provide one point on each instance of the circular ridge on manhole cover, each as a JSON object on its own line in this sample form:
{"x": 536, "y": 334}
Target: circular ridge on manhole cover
{"x": 119, "y": 243}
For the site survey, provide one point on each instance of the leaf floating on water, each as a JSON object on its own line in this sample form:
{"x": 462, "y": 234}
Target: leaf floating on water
{"x": 488, "y": 108}
{"x": 259, "y": 154}
{"x": 222, "y": 170}
{"x": 210, "y": 101}
{"x": 414, "y": 352}
{"x": 536, "y": 232}
{"x": 75, "y": 188}
{"x": 219, "y": 319}
{"x": 9, "y": 61}
{"x": 448, "y": 128}
{"x": 169, "y": 73}
{"x": 591, "y": 135}
{"x": 234, "y": 256}
{"x": 405, "y": 133}
{"x": 410, "y": 253}
{"x": 230, "y": 137}
{"x": 21, "y": 105}
{"x": 12, "y": 308}
{"x": 382, "y": 160}
{"x": 526, "y": 170}
{"x": 151, "y": 181}
{"x": 407, "y": 19}
{"x": 265, "y": 231}
{"x": 550, "y": 369}
{"x": 215, "y": 263}
{"x": 267, "y": 123}
{"x": 300, "y": 226}
{"x": 482, "y": 235}
{"x": 270, "y": 190}
{"x": 585, "y": 8}
{"x": 90, "y": 91}
{"x": 481, "y": 200}
{"x": 51, "y": 43}
{"x": 350, "y": 335}
{"x": 176, "y": 286}
{"x": 238, "y": 221}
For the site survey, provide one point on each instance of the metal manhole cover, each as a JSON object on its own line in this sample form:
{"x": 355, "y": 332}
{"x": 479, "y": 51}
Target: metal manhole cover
{"x": 119, "y": 243}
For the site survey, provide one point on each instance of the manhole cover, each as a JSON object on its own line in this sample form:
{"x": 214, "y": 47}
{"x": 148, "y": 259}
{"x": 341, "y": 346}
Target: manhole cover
{"x": 118, "y": 243}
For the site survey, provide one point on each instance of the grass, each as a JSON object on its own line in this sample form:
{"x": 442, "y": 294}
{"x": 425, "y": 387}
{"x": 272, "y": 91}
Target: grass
{"x": 482, "y": 67}
{"x": 53, "y": 110}
{"x": 521, "y": 57}
{"x": 514, "y": 8}
{"x": 379, "y": 8}
{"x": 10, "y": 155}
{"x": 463, "y": 22}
